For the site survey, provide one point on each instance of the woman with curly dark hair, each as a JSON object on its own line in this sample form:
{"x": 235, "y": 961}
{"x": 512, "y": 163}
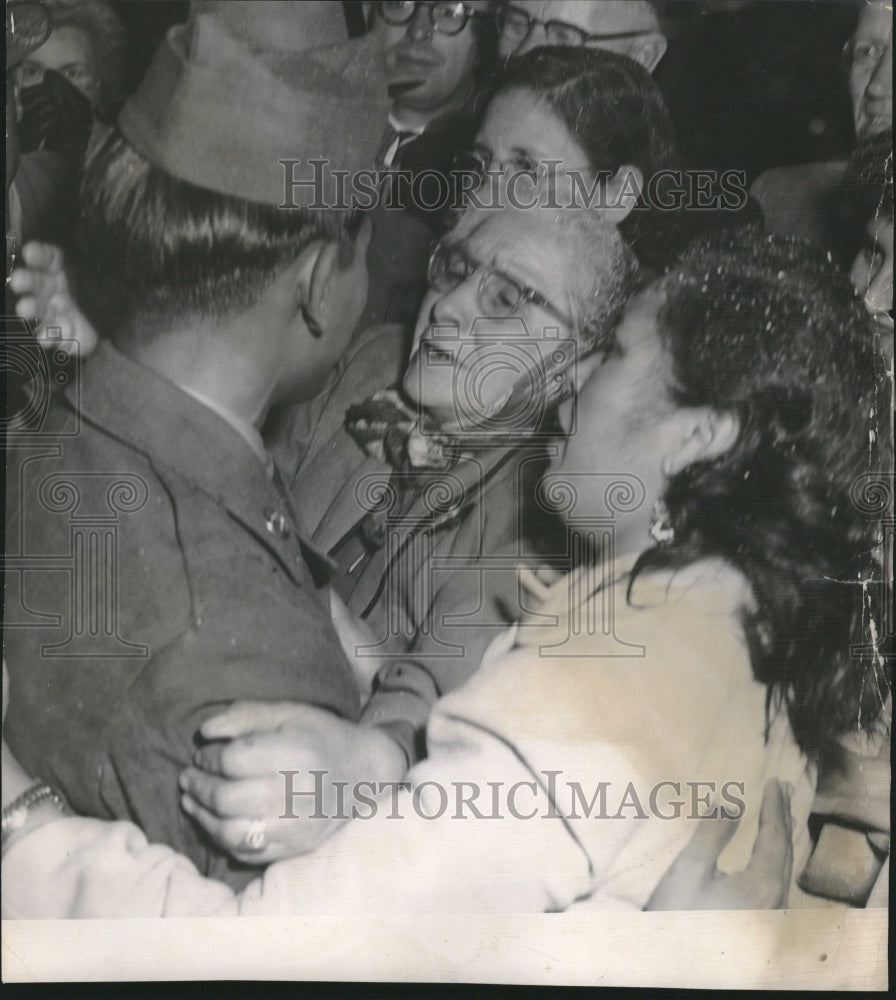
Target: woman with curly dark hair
{"x": 765, "y": 331}
{"x": 731, "y": 454}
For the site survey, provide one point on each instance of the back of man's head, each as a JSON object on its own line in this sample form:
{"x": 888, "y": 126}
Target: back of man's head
{"x": 167, "y": 251}
{"x": 187, "y": 212}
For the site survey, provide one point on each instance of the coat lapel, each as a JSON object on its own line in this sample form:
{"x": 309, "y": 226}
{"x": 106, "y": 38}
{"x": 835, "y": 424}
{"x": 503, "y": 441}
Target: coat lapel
{"x": 178, "y": 434}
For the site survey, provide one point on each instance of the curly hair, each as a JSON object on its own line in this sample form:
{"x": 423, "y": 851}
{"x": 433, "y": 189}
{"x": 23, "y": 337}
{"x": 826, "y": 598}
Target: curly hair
{"x": 614, "y": 110}
{"x": 764, "y": 327}
{"x": 100, "y": 23}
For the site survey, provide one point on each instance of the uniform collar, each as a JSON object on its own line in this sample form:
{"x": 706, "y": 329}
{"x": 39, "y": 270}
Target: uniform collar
{"x": 242, "y": 427}
{"x": 176, "y": 431}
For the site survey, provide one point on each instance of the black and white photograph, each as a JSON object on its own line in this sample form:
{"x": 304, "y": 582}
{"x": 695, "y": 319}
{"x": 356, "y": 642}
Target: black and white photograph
{"x": 449, "y": 492}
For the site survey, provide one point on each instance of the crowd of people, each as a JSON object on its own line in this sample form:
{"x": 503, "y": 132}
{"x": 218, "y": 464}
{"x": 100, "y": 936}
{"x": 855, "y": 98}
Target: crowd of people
{"x": 500, "y": 468}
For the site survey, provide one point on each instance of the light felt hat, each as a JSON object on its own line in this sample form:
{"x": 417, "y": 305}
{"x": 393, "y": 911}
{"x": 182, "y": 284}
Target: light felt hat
{"x": 273, "y": 25}
{"x": 221, "y": 115}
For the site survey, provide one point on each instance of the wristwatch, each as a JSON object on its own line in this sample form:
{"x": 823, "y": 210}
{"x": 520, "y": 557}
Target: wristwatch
{"x": 15, "y": 815}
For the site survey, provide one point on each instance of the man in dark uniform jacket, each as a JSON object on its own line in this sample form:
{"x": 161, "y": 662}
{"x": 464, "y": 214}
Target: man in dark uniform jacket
{"x": 155, "y": 566}
{"x": 438, "y": 57}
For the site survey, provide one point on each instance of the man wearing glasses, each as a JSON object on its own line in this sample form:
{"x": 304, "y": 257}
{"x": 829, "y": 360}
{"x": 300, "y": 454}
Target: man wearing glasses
{"x": 804, "y": 200}
{"x": 437, "y": 55}
{"x": 433, "y": 52}
{"x": 629, "y": 27}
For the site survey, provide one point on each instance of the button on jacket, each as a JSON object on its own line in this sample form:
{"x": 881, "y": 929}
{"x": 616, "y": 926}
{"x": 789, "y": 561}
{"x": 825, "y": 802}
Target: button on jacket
{"x": 155, "y": 572}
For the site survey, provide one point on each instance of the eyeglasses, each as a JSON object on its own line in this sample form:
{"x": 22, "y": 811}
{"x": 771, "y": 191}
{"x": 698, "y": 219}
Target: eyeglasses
{"x": 499, "y": 295}
{"x": 446, "y": 18}
{"x": 517, "y": 25}
{"x": 480, "y": 163}
{"x": 866, "y": 55}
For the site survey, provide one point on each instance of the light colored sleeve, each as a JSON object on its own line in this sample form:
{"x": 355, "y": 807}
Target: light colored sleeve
{"x": 475, "y": 831}
{"x": 91, "y": 868}
{"x": 430, "y": 847}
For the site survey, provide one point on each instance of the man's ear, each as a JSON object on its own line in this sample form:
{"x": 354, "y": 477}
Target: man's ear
{"x": 333, "y": 261}
{"x": 649, "y": 50}
{"x": 622, "y": 192}
{"x": 705, "y": 434}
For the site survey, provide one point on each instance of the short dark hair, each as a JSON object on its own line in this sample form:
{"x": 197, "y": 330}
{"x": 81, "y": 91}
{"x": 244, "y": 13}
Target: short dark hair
{"x": 161, "y": 248}
{"x": 765, "y": 327}
{"x": 614, "y": 110}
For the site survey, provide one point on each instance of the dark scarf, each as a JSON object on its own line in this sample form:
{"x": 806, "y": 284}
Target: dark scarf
{"x": 386, "y": 428}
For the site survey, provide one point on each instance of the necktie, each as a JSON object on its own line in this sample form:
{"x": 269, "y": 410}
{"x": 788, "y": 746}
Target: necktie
{"x": 393, "y": 141}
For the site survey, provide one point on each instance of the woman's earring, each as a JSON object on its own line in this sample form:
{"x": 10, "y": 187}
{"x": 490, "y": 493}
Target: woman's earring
{"x": 661, "y": 528}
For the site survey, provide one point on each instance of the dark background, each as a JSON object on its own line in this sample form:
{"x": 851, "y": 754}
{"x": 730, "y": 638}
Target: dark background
{"x": 750, "y": 83}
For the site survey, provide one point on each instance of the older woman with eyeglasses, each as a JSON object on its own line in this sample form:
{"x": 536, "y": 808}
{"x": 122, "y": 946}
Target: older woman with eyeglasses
{"x": 720, "y": 636}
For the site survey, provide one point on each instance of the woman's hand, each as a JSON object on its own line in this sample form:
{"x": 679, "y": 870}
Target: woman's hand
{"x": 236, "y": 786}
{"x": 46, "y": 300}
{"x": 694, "y": 883}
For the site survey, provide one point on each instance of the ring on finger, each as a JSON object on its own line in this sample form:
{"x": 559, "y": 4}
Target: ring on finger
{"x": 255, "y": 836}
